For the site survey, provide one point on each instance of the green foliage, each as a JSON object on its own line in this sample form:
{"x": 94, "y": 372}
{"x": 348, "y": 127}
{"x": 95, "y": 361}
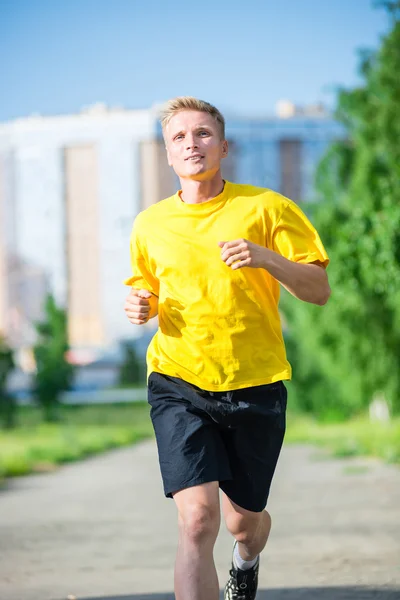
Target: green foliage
{"x": 84, "y": 430}
{"x": 349, "y": 350}
{"x": 133, "y": 368}
{"x": 53, "y": 372}
{"x": 356, "y": 437}
{"x": 7, "y": 403}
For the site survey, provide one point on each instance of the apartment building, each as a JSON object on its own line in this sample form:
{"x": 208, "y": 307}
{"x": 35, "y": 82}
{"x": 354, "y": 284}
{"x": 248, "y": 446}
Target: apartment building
{"x": 71, "y": 186}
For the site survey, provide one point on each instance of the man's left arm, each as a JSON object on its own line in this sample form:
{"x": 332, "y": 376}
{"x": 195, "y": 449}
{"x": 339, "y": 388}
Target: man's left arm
{"x": 306, "y": 281}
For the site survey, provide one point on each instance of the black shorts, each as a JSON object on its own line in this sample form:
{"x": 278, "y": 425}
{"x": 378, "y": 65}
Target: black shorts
{"x": 232, "y": 437}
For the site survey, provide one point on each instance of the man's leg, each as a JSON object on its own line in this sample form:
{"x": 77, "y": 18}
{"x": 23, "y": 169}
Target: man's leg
{"x": 199, "y": 521}
{"x": 250, "y": 529}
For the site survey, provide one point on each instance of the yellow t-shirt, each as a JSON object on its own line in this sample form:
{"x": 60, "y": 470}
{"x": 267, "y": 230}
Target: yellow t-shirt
{"x": 219, "y": 328}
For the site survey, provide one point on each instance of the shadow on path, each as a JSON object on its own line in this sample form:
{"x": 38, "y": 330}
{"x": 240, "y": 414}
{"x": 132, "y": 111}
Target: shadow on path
{"x": 322, "y": 593}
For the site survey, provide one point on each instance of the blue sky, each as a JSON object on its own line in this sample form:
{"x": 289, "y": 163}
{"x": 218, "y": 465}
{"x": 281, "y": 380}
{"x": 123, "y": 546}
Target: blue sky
{"x": 243, "y": 56}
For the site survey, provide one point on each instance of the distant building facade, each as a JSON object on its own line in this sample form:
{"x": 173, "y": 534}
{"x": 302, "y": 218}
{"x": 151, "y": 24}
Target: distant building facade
{"x": 71, "y": 186}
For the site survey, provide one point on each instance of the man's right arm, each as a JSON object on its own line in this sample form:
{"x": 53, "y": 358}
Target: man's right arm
{"x": 140, "y": 306}
{"x": 142, "y": 302}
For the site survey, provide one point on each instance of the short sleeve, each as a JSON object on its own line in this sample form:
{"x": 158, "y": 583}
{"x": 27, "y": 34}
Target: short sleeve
{"x": 142, "y": 276}
{"x": 295, "y": 238}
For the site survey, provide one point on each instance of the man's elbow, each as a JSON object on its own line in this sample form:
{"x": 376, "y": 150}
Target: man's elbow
{"x": 323, "y": 296}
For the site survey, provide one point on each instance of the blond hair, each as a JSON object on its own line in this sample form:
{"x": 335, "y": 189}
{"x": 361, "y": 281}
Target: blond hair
{"x": 172, "y": 107}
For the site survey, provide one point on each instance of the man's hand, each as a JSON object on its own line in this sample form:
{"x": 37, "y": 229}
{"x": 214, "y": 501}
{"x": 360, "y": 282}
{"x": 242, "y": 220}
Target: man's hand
{"x": 308, "y": 281}
{"x": 140, "y": 306}
{"x": 242, "y": 253}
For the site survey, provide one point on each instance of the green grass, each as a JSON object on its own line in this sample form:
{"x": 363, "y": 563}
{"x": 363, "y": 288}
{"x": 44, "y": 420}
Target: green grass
{"x": 356, "y": 470}
{"x": 85, "y": 430}
{"x": 356, "y": 437}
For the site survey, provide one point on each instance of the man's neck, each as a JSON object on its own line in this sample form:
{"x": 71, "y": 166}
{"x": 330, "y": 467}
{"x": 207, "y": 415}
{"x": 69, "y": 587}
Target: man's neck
{"x": 196, "y": 192}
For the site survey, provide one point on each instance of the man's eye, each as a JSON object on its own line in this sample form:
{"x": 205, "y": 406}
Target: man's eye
{"x": 203, "y": 133}
{"x": 179, "y": 137}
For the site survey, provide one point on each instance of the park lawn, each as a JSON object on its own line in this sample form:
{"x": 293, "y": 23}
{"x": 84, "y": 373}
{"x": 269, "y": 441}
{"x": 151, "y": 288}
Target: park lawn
{"x": 85, "y": 430}
{"x": 355, "y": 437}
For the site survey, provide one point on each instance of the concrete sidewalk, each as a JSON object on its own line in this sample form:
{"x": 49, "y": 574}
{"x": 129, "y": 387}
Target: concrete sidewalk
{"x": 101, "y": 529}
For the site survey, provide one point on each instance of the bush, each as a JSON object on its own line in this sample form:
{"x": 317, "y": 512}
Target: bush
{"x": 7, "y": 403}
{"x": 53, "y": 372}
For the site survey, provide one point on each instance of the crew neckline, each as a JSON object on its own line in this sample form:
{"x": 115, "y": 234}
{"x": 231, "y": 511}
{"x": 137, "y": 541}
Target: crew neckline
{"x": 203, "y": 206}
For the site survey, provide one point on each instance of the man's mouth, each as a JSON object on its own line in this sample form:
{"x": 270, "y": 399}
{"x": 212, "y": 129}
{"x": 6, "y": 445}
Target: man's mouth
{"x": 194, "y": 157}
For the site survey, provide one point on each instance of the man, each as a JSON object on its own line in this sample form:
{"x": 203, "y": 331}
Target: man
{"x": 209, "y": 261}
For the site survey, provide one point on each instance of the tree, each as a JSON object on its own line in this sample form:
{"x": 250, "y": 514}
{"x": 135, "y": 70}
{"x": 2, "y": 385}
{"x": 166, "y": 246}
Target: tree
{"x": 7, "y": 402}
{"x": 53, "y": 372}
{"x": 133, "y": 368}
{"x": 349, "y": 351}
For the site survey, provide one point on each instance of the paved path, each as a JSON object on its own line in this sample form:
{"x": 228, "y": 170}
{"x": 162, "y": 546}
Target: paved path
{"x": 101, "y": 529}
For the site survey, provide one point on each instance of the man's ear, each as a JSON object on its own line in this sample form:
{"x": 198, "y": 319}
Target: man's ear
{"x": 225, "y": 148}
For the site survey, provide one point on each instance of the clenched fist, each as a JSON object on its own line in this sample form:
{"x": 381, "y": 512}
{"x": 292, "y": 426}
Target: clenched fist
{"x": 140, "y": 306}
{"x": 243, "y": 253}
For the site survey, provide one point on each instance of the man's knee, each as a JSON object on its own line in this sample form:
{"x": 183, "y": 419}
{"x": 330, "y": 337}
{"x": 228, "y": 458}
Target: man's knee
{"x": 245, "y": 526}
{"x": 199, "y": 522}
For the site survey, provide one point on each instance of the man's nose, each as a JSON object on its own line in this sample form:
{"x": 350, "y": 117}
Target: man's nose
{"x": 191, "y": 142}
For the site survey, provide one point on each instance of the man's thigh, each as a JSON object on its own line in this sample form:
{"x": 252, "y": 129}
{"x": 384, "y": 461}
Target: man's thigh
{"x": 254, "y": 443}
{"x": 190, "y": 447}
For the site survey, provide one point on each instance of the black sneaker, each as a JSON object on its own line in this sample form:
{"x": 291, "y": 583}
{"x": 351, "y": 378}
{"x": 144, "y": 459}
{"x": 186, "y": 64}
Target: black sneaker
{"x": 242, "y": 585}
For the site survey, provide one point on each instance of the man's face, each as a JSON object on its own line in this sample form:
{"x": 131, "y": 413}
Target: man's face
{"x": 194, "y": 145}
